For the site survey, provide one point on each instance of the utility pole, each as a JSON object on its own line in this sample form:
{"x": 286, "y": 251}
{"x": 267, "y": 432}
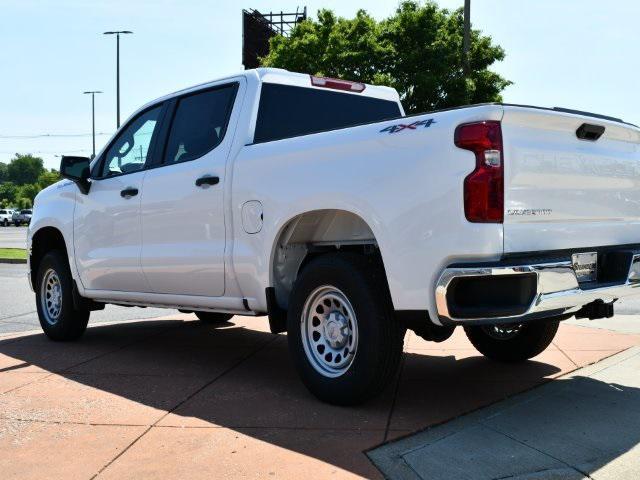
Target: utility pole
{"x": 466, "y": 43}
{"x": 117, "y": 34}
{"x": 93, "y": 118}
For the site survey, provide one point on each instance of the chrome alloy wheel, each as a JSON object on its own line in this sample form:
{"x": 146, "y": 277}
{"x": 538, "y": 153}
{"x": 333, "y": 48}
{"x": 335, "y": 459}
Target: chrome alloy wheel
{"x": 51, "y": 296}
{"x": 329, "y": 331}
{"x": 503, "y": 332}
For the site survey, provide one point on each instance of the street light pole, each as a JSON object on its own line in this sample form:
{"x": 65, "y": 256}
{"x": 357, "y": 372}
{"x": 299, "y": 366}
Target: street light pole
{"x": 466, "y": 41}
{"x": 93, "y": 118}
{"x": 117, "y": 34}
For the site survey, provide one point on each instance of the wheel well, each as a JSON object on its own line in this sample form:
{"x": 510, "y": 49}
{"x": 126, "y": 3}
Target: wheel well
{"x": 314, "y": 233}
{"x": 45, "y": 240}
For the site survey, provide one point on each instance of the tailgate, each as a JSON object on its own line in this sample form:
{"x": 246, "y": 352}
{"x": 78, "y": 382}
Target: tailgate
{"x": 562, "y": 192}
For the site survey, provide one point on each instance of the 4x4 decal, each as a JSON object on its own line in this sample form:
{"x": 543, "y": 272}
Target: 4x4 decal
{"x": 411, "y": 126}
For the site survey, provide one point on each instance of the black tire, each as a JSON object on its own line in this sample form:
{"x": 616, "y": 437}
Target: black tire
{"x": 17, "y": 224}
{"x": 212, "y": 318}
{"x": 69, "y": 323}
{"x": 361, "y": 280}
{"x": 529, "y": 340}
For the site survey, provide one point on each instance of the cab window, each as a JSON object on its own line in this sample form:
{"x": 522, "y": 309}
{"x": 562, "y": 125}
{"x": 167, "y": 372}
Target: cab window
{"x": 129, "y": 152}
{"x": 286, "y": 111}
{"x": 199, "y": 123}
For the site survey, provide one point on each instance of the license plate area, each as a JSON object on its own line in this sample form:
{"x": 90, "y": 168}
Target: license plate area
{"x": 585, "y": 266}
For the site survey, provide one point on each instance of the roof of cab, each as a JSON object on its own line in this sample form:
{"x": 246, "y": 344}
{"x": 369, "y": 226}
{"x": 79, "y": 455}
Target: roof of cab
{"x": 285, "y": 77}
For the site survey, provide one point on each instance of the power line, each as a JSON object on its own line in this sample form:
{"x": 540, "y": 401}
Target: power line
{"x": 11, "y": 152}
{"x": 52, "y": 135}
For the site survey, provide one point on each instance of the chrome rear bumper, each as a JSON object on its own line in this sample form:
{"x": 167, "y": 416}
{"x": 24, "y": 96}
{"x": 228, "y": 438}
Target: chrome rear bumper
{"x": 557, "y": 289}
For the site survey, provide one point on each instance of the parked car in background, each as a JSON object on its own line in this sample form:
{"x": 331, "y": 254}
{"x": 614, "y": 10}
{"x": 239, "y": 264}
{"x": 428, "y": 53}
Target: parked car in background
{"x": 6, "y": 216}
{"x": 20, "y": 217}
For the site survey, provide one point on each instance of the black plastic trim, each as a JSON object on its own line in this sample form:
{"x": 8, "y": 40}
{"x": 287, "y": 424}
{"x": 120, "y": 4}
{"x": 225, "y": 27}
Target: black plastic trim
{"x": 207, "y": 181}
{"x": 277, "y": 314}
{"x": 588, "y": 114}
{"x": 491, "y": 296}
{"x": 589, "y": 132}
{"x": 558, "y": 314}
{"x": 128, "y": 192}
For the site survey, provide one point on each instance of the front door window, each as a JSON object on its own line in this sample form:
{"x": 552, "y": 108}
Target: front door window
{"x": 130, "y": 150}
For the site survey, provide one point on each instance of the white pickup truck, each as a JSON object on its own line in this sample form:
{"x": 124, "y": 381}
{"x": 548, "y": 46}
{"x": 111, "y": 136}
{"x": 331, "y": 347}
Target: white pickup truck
{"x": 317, "y": 202}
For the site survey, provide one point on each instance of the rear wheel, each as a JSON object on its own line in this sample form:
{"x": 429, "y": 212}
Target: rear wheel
{"x": 512, "y": 342}
{"x": 213, "y": 318}
{"x": 342, "y": 334}
{"x": 58, "y": 316}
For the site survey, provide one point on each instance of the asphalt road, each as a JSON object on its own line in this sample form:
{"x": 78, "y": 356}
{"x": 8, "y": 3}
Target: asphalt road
{"x": 18, "y": 309}
{"x": 13, "y": 237}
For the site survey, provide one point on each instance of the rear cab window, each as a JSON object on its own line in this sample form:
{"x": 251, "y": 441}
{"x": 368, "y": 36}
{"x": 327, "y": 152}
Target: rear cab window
{"x": 200, "y": 123}
{"x": 288, "y": 111}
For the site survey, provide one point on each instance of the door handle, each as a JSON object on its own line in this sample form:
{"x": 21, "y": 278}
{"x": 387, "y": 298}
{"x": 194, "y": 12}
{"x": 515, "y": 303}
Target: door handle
{"x": 207, "y": 180}
{"x": 129, "y": 192}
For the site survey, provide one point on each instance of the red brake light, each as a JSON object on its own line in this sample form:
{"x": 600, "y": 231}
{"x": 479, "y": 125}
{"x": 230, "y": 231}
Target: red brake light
{"x": 484, "y": 187}
{"x": 337, "y": 84}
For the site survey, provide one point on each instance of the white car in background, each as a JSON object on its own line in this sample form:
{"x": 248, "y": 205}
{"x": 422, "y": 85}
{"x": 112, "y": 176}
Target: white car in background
{"x": 20, "y": 217}
{"x": 6, "y": 216}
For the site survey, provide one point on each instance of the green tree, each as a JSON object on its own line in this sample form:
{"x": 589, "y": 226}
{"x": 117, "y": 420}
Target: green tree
{"x": 24, "y": 169}
{"x": 48, "y": 178}
{"x": 29, "y": 191}
{"x": 418, "y": 51}
{"x": 23, "y": 202}
{"x": 3, "y": 172}
{"x": 8, "y": 192}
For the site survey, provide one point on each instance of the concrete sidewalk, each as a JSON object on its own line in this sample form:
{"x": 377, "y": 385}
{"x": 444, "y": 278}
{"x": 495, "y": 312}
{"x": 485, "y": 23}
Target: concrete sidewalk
{"x": 179, "y": 399}
{"x": 584, "y": 425}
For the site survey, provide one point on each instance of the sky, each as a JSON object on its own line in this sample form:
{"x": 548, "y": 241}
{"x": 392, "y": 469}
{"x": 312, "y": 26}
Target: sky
{"x": 580, "y": 54}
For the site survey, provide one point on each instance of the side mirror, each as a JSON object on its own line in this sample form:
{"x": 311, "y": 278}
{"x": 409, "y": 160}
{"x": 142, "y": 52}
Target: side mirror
{"x": 77, "y": 170}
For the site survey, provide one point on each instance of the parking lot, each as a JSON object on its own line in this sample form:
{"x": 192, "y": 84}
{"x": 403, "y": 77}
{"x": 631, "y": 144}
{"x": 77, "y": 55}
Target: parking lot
{"x": 13, "y": 237}
{"x": 18, "y": 309}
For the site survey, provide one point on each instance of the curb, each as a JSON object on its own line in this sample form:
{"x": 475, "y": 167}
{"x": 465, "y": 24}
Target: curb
{"x": 13, "y": 260}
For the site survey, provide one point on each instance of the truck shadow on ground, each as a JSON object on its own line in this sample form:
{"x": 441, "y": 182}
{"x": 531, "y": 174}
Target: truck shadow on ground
{"x": 175, "y": 373}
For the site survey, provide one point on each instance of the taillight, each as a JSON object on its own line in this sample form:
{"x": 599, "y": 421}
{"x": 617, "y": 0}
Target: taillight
{"x": 337, "y": 84}
{"x": 484, "y": 187}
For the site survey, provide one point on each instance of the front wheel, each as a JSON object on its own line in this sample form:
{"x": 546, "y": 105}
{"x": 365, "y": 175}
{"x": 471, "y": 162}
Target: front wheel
{"x": 342, "y": 334}
{"x": 58, "y": 316}
{"x": 513, "y": 342}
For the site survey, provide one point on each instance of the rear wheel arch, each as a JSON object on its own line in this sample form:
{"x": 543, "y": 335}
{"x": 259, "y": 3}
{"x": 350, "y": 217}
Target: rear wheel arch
{"x": 310, "y": 234}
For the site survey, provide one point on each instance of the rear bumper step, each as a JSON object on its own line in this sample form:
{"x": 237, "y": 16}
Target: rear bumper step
{"x": 512, "y": 293}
